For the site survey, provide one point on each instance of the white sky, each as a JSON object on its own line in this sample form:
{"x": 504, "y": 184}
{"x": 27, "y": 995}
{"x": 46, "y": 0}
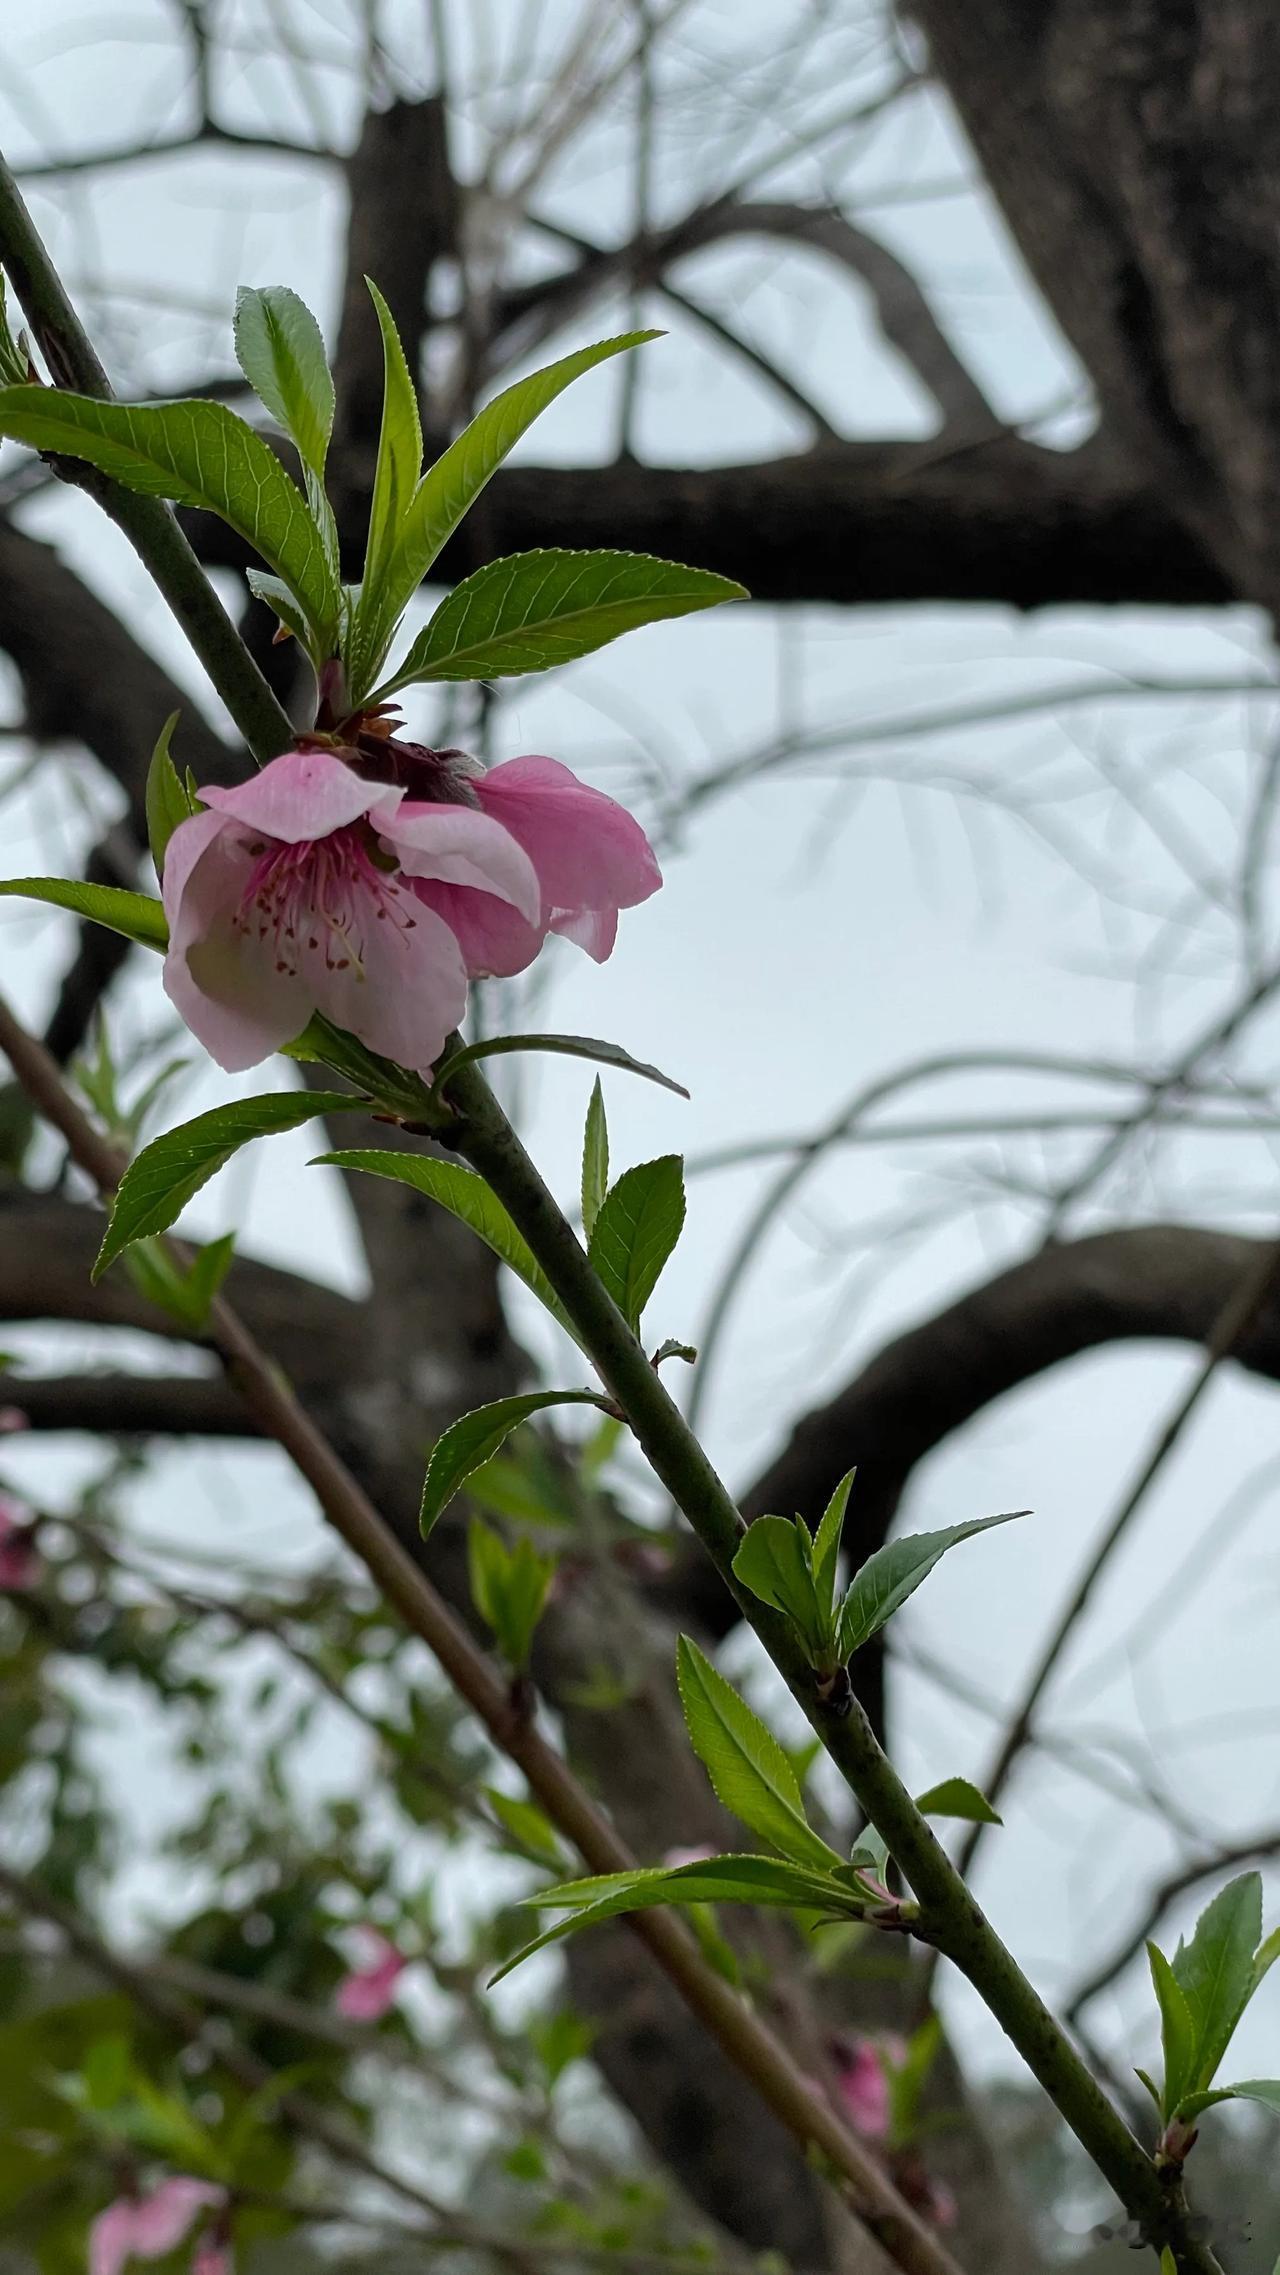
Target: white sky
{"x": 803, "y": 946}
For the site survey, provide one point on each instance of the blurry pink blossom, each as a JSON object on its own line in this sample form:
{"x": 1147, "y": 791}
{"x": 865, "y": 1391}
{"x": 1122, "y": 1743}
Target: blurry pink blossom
{"x": 316, "y": 888}
{"x": 19, "y": 1557}
{"x": 367, "y": 1992}
{"x": 212, "y": 2255}
{"x": 13, "y": 1419}
{"x": 147, "y": 2227}
{"x": 862, "y": 2085}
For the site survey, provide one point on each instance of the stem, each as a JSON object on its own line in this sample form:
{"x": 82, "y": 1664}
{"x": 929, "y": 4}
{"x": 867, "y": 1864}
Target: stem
{"x": 749, "y": 2045}
{"x": 149, "y": 524}
{"x": 951, "y": 1918}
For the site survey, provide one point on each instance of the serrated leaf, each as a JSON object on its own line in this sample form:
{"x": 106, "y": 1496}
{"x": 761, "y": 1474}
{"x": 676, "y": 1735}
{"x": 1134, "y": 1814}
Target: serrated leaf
{"x": 476, "y": 1437}
{"x": 135, "y": 915}
{"x": 280, "y": 350}
{"x": 886, "y": 1580}
{"x": 595, "y": 1160}
{"x": 186, "y": 1296}
{"x": 156, "y": 1186}
{"x": 1215, "y": 1971}
{"x": 640, "y": 1221}
{"x": 750, "y": 1772}
{"x": 195, "y": 454}
{"x": 774, "y": 1560}
{"x": 1177, "y": 2031}
{"x": 473, "y": 1202}
{"x": 568, "y": 1046}
{"x": 1265, "y": 1957}
{"x": 166, "y": 799}
{"x": 759, "y": 1880}
{"x": 1263, "y": 2090}
{"x": 509, "y": 1588}
{"x": 535, "y": 610}
{"x": 275, "y": 592}
{"x": 826, "y": 1543}
{"x": 452, "y": 485}
{"x": 399, "y": 464}
{"x": 956, "y": 1797}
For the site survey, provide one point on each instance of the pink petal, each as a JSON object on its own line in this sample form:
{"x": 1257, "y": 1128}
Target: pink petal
{"x": 212, "y": 2256}
{"x": 224, "y": 984}
{"x": 300, "y": 795}
{"x": 12, "y": 1418}
{"x": 589, "y": 852}
{"x": 411, "y": 992}
{"x": 366, "y": 1994}
{"x": 494, "y": 939}
{"x": 146, "y": 2227}
{"x": 111, "y": 2239}
{"x": 594, "y": 929}
{"x": 462, "y": 847}
{"x": 863, "y": 2088}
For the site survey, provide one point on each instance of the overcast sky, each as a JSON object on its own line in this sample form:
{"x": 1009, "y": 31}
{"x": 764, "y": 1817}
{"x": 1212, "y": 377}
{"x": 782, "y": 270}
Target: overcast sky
{"x": 809, "y": 940}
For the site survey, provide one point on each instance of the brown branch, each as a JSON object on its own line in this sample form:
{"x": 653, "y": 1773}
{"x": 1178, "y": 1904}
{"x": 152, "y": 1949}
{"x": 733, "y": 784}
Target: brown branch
{"x": 867, "y": 522}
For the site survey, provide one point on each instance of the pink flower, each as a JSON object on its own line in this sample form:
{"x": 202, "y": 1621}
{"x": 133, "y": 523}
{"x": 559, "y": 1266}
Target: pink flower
{"x": 315, "y": 888}
{"x": 12, "y": 1419}
{"x": 212, "y": 2256}
{"x": 19, "y": 1557}
{"x": 591, "y": 858}
{"x": 862, "y": 2085}
{"x": 146, "y": 2227}
{"x": 290, "y": 896}
{"x": 366, "y": 1993}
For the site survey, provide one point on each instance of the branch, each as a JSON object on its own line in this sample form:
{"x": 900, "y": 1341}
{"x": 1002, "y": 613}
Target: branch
{"x": 895, "y": 522}
{"x": 1247, "y": 1851}
{"x": 1167, "y": 1283}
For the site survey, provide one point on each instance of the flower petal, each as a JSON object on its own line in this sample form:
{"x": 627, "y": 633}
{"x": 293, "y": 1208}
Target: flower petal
{"x": 589, "y": 852}
{"x": 494, "y": 938}
{"x": 407, "y": 992}
{"x": 462, "y": 847}
{"x": 224, "y": 981}
{"x": 302, "y": 794}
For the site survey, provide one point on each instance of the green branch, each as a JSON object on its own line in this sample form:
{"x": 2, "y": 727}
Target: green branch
{"x": 150, "y": 526}
{"x": 951, "y": 1918}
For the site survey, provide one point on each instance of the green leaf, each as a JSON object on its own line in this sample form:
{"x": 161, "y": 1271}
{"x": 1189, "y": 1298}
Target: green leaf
{"x": 826, "y": 1544}
{"x": 167, "y": 801}
{"x": 196, "y": 454}
{"x": 533, "y": 1834}
{"x": 157, "y": 1186}
{"x": 280, "y": 350}
{"x": 1266, "y": 1957}
{"x": 470, "y": 1441}
{"x": 1168, "y": 2264}
{"x": 186, "y": 1296}
{"x": 720, "y": 1880}
{"x": 1263, "y": 2090}
{"x": 452, "y": 485}
{"x": 469, "y": 1198}
{"x": 395, "y": 479}
{"x": 136, "y": 915}
{"x": 1177, "y": 2031}
{"x": 508, "y": 1588}
{"x": 1215, "y": 1971}
{"x": 639, "y": 1223}
{"x": 595, "y": 1160}
{"x": 277, "y": 596}
{"x": 569, "y": 1046}
{"x": 747, "y": 1767}
{"x": 886, "y": 1580}
{"x": 532, "y": 611}
{"x": 390, "y": 1086}
{"x": 907, "y": 2079}
{"x": 956, "y": 1797}
{"x": 775, "y": 1560}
